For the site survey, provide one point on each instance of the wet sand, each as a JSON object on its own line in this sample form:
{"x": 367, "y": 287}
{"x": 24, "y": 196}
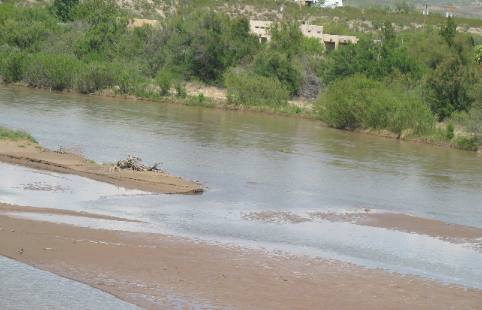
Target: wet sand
{"x": 7, "y": 208}
{"x": 34, "y": 156}
{"x": 394, "y": 221}
{"x": 148, "y": 269}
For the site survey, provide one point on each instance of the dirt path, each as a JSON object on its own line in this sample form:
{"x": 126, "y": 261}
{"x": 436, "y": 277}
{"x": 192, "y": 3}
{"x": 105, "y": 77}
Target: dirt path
{"x": 150, "y": 269}
{"x": 34, "y": 156}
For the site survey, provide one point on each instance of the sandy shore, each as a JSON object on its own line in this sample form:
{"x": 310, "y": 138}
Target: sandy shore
{"x": 151, "y": 270}
{"x": 394, "y": 221}
{"x": 34, "y": 156}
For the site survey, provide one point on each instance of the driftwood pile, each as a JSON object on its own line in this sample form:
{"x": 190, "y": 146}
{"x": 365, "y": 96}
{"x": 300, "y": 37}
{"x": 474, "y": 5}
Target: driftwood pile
{"x": 136, "y": 164}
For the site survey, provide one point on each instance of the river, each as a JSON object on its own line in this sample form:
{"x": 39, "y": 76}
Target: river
{"x": 253, "y": 162}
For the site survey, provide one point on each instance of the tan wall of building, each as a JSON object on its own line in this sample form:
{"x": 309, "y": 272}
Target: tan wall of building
{"x": 261, "y": 28}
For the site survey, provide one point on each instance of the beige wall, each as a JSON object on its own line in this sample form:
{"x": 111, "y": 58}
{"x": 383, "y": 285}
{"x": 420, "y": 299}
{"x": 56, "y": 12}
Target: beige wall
{"x": 261, "y": 28}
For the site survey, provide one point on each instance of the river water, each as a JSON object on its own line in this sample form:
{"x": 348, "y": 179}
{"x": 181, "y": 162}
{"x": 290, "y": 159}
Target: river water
{"x": 253, "y": 162}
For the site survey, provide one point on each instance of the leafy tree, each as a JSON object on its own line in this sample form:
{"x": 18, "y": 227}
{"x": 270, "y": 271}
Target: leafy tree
{"x": 275, "y": 64}
{"x": 448, "y": 31}
{"x": 286, "y": 37}
{"x": 449, "y": 88}
{"x": 205, "y": 44}
{"x": 107, "y": 21}
{"x": 64, "y": 9}
{"x": 375, "y": 60}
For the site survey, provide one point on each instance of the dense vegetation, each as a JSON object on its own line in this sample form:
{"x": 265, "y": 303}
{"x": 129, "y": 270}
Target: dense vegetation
{"x": 424, "y": 82}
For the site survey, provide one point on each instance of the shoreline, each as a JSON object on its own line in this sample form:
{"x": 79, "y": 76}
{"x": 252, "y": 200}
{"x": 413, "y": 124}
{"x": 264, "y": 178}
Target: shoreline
{"x": 213, "y": 274}
{"x": 32, "y": 155}
{"x": 222, "y": 105}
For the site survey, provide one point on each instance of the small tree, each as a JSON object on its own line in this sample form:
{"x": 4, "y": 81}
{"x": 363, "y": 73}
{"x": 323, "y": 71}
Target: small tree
{"x": 448, "y": 31}
{"x": 448, "y": 88}
{"x": 64, "y": 9}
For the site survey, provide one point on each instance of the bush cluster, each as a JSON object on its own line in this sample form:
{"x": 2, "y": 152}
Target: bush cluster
{"x": 360, "y": 102}
{"x": 246, "y": 88}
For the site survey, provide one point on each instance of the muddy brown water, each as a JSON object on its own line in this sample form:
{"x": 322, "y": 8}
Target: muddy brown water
{"x": 253, "y": 162}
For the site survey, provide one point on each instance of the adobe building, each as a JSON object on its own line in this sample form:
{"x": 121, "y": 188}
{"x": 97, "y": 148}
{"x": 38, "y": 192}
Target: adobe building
{"x": 261, "y": 28}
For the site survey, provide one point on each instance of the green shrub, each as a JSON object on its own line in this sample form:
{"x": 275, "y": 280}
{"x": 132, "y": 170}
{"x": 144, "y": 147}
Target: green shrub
{"x": 11, "y": 64}
{"x": 246, "y": 88}
{"x": 449, "y": 131}
{"x": 205, "y": 44}
{"x": 408, "y": 112}
{"x": 467, "y": 143}
{"x": 164, "y": 80}
{"x": 280, "y": 66}
{"x": 51, "y": 71}
{"x": 64, "y": 9}
{"x": 343, "y": 104}
{"x": 94, "y": 76}
{"x": 127, "y": 78}
{"x": 25, "y": 28}
{"x": 359, "y": 102}
{"x": 448, "y": 88}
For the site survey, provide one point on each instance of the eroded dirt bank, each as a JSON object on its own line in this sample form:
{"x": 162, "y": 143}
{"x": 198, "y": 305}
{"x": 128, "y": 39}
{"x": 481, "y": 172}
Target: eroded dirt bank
{"x": 34, "y": 156}
{"x": 148, "y": 269}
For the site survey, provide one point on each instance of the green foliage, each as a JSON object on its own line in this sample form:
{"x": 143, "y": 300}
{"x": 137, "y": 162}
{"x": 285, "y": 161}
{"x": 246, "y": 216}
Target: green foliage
{"x": 448, "y": 31}
{"x": 164, "y": 80}
{"x": 15, "y": 135}
{"x": 64, "y": 9}
{"x": 427, "y": 47}
{"x": 450, "y": 131}
{"x": 278, "y": 65}
{"x": 312, "y": 46}
{"x": 467, "y": 143}
{"x": 107, "y": 22}
{"x": 93, "y": 77}
{"x": 375, "y": 60}
{"x": 478, "y": 54}
{"x": 51, "y": 70}
{"x": 128, "y": 78}
{"x": 11, "y": 64}
{"x": 359, "y": 102}
{"x": 286, "y": 37}
{"x": 245, "y": 88}
{"x": 448, "y": 88}
{"x": 25, "y": 28}
{"x": 205, "y": 44}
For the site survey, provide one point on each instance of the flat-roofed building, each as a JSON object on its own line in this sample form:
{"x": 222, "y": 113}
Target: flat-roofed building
{"x": 262, "y": 29}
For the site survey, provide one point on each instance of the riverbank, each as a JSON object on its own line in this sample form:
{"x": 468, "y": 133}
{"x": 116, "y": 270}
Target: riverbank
{"x": 215, "y": 275}
{"x": 295, "y": 109}
{"x": 30, "y": 154}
